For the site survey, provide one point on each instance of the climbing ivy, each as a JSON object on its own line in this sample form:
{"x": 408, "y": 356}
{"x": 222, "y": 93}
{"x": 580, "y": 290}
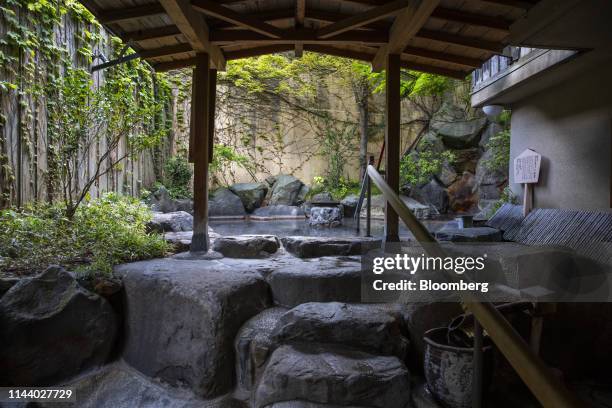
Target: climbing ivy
{"x": 41, "y": 60}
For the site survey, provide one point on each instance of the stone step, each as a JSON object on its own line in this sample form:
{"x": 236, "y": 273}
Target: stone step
{"x": 314, "y": 247}
{"x": 253, "y": 345}
{"x": 326, "y": 375}
{"x": 307, "y": 404}
{"x": 323, "y": 280}
{"x": 246, "y": 246}
{"x": 371, "y": 328}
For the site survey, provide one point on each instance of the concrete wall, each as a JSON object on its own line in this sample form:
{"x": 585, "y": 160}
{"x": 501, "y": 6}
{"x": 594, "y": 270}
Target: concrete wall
{"x": 570, "y": 124}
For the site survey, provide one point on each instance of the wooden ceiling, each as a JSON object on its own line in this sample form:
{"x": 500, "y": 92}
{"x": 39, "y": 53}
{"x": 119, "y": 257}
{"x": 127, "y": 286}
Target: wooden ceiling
{"x": 446, "y": 37}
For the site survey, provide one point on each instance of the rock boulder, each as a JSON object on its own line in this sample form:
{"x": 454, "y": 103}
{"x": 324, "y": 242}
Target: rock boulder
{"x": 362, "y": 326}
{"x": 224, "y": 203}
{"x": 327, "y": 280}
{"x": 463, "y": 194}
{"x": 286, "y": 190}
{"x": 325, "y": 217}
{"x": 459, "y": 134}
{"x": 162, "y": 202}
{"x": 433, "y": 194}
{"x": 182, "y": 317}
{"x": 51, "y": 329}
{"x": 349, "y": 203}
{"x": 253, "y": 346}
{"x": 176, "y": 221}
{"x": 246, "y": 246}
{"x": 324, "y": 197}
{"x": 251, "y": 194}
{"x": 339, "y": 377}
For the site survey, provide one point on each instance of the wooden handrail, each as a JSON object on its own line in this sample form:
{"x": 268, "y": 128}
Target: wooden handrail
{"x": 537, "y": 376}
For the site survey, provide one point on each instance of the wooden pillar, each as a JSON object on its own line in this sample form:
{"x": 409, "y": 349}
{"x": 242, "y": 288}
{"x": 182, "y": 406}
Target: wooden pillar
{"x": 392, "y": 142}
{"x": 212, "y": 99}
{"x": 200, "y": 130}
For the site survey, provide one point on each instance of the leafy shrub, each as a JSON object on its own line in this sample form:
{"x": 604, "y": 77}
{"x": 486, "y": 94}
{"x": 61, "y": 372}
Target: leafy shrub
{"x": 103, "y": 232}
{"x": 499, "y": 145}
{"x": 418, "y": 168}
{"x": 177, "y": 177}
{"x": 340, "y": 189}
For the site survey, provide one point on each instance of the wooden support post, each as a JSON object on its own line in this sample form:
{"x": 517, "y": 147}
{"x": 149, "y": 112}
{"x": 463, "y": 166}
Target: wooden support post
{"x": 527, "y": 198}
{"x": 212, "y": 99}
{"x": 392, "y": 143}
{"x": 200, "y": 129}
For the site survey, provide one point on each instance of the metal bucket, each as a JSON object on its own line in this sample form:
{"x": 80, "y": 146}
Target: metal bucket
{"x": 449, "y": 369}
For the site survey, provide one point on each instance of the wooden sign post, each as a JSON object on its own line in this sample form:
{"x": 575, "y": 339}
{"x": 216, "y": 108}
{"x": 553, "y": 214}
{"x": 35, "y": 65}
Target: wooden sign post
{"x": 527, "y": 172}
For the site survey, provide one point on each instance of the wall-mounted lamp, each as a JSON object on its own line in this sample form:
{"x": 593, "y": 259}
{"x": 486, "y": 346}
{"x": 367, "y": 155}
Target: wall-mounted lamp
{"x": 492, "y": 111}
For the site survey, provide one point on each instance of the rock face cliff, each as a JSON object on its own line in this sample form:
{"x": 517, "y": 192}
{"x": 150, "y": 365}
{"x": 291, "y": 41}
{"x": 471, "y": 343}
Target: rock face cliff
{"x": 471, "y": 181}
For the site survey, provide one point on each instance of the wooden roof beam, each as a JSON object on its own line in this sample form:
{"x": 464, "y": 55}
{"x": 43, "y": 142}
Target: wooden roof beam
{"x": 362, "y": 19}
{"x": 152, "y": 33}
{"x": 222, "y": 37}
{"x": 339, "y": 52}
{"x": 257, "y": 51}
{"x": 470, "y": 42}
{"x": 464, "y": 17}
{"x": 266, "y": 16}
{"x": 404, "y": 28}
{"x": 166, "y": 51}
{"x": 443, "y": 56}
{"x": 520, "y": 4}
{"x": 194, "y": 28}
{"x": 434, "y": 70}
{"x": 215, "y": 10}
{"x": 300, "y": 16}
{"x": 177, "y": 64}
{"x": 129, "y": 13}
{"x": 331, "y": 17}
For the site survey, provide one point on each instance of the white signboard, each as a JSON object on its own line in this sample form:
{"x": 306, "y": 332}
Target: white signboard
{"x": 527, "y": 167}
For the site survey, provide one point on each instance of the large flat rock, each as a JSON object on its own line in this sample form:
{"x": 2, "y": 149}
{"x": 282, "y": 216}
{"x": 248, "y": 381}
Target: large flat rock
{"x": 176, "y": 221}
{"x": 364, "y": 326}
{"x": 182, "y": 317}
{"x": 246, "y": 246}
{"x": 475, "y": 234}
{"x": 324, "y": 280}
{"x": 340, "y": 377}
{"x": 313, "y": 247}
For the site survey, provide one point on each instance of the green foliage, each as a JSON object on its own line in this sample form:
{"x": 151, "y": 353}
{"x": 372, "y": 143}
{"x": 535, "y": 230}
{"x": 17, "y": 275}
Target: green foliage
{"x": 39, "y": 68}
{"x": 177, "y": 177}
{"x": 417, "y": 84}
{"x": 103, "y": 232}
{"x": 338, "y": 144}
{"x": 82, "y": 116}
{"x": 499, "y": 145}
{"x": 338, "y": 188}
{"x": 418, "y": 167}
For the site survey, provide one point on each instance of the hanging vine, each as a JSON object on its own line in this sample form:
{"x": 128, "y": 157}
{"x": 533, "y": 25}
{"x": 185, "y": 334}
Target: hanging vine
{"x": 41, "y": 43}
